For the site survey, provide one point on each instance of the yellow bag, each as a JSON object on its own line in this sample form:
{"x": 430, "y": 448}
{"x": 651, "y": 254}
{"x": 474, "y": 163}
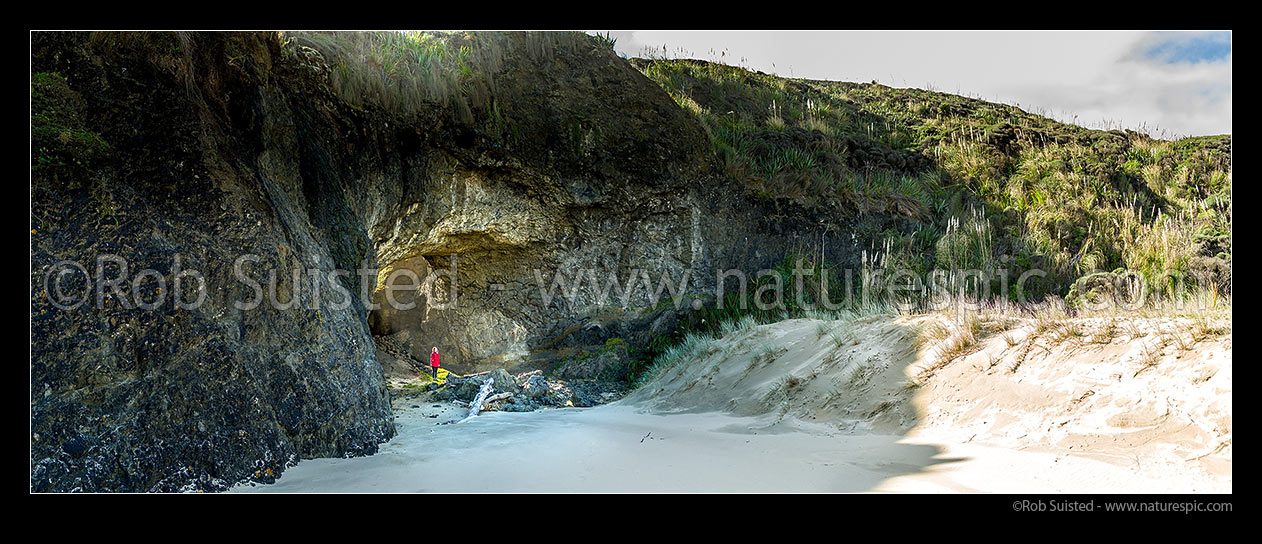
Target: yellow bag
{"x": 442, "y": 376}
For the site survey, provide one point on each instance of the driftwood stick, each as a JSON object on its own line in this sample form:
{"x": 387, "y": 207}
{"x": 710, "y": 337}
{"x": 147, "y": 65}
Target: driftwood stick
{"x": 531, "y": 373}
{"x": 497, "y": 396}
{"x": 476, "y": 406}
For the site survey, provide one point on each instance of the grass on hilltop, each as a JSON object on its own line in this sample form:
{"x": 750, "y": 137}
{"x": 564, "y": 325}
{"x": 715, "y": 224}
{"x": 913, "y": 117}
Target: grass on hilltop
{"x": 1000, "y": 182}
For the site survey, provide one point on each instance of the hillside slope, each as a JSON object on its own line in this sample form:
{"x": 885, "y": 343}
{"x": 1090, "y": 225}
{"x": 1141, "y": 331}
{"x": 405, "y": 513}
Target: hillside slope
{"x": 1027, "y": 191}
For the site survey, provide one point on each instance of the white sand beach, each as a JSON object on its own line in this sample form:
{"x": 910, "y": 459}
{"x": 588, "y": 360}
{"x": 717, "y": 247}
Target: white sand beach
{"x": 846, "y": 406}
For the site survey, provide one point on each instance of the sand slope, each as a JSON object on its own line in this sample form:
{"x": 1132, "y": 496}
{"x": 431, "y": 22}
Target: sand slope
{"x": 850, "y": 374}
{"x": 1145, "y": 395}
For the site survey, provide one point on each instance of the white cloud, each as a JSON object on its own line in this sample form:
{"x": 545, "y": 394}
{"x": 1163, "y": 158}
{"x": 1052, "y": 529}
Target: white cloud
{"x": 1094, "y": 75}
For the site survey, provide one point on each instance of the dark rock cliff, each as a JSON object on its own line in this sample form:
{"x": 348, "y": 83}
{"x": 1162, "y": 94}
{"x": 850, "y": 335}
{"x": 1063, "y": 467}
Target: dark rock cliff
{"x": 183, "y": 152}
{"x": 211, "y": 156}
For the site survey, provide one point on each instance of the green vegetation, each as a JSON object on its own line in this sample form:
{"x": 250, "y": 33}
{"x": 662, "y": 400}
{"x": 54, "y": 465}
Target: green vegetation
{"x": 787, "y": 140}
{"x": 604, "y": 40}
{"x": 62, "y": 148}
{"x": 403, "y": 73}
{"x": 692, "y": 345}
{"x": 981, "y": 185}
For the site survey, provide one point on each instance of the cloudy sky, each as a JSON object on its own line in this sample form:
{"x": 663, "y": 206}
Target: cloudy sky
{"x": 1166, "y": 83}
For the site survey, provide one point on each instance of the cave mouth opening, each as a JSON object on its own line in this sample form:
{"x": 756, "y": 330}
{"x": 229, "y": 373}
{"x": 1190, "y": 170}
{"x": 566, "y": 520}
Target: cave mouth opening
{"x": 413, "y": 310}
{"x": 405, "y": 293}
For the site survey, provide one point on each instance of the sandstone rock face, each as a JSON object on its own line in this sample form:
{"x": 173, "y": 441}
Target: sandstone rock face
{"x": 226, "y": 145}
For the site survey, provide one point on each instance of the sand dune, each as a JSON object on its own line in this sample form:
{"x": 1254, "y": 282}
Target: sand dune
{"x": 855, "y": 406}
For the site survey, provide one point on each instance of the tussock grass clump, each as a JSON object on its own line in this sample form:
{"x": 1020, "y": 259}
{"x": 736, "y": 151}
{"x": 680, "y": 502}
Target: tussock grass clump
{"x": 1106, "y": 333}
{"x": 959, "y": 340}
{"x": 1070, "y": 332}
{"x": 966, "y": 245}
{"x": 1049, "y": 315}
{"x": 767, "y": 353}
{"x": 606, "y": 40}
{"x": 931, "y": 334}
{"x": 1150, "y": 356}
{"x": 962, "y": 336}
{"x": 694, "y": 346}
{"x": 782, "y": 389}
{"x": 839, "y": 339}
{"x": 1184, "y": 343}
{"x": 862, "y": 374}
{"x": 764, "y": 355}
{"x": 958, "y": 344}
{"x": 730, "y": 327}
{"x": 1204, "y": 327}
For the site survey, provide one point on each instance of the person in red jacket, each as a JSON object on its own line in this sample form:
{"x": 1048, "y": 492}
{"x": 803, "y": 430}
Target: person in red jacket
{"x": 433, "y": 362}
